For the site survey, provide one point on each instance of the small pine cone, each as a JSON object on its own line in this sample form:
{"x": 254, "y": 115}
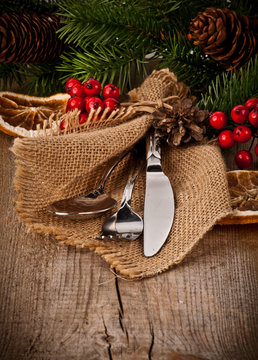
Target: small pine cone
{"x": 226, "y": 36}
{"x": 28, "y": 38}
{"x": 180, "y": 124}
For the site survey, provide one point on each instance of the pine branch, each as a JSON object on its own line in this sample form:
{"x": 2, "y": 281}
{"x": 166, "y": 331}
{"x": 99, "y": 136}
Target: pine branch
{"x": 114, "y": 22}
{"x": 42, "y": 79}
{"x": 10, "y": 74}
{"x": 188, "y": 62}
{"x": 232, "y": 88}
{"x": 105, "y": 64}
{"x": 36, "y": 79}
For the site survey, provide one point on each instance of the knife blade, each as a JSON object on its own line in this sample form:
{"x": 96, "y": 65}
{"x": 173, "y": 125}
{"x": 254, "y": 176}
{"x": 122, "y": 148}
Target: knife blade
{"x": 159, "y": 204}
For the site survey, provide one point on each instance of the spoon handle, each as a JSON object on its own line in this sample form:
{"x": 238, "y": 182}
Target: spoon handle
{"x": 109, "y": 170}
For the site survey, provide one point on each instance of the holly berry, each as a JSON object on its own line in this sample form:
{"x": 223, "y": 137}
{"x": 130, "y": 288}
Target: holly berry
{"x": 92, "y": 87}
{"x": 94, "y": 103}
{"x": 239, "y": 114}
{"x": 243, "y": 159}
{"x": 218, "y": 120}
{"x": 70, "y": 83}
{"x": 256, "y": 150}
{"x": 226, "y": 139}
{"x": 75, "y": 103}
{"x": 111, "y": 103}
{"x": 83, "y": 117}
{"x": 242, "y": 134}
{"x": 111, "y": 91}
{"x": 251, "y": 104}
{"x": 62, "y": 124}
{"x": 77, "y": 90}
{"x": 86, "y": 100}
{"x": 253, "y": 117}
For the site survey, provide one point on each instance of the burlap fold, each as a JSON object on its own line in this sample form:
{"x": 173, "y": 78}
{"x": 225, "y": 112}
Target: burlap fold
{"x": 59, "y": 167}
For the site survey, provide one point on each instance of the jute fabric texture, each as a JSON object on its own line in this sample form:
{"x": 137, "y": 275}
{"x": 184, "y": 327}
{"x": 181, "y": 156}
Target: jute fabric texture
{"x": 49, "y": 169}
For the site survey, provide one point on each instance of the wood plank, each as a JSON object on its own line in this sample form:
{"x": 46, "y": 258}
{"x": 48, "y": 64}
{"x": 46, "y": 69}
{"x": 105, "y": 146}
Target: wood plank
{"x": 64, "y": 303}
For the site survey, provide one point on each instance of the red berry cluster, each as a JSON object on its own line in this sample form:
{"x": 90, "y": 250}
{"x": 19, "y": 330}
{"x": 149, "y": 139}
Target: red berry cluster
{"x": 86, "y": 96}
{"x": 241, "y": 114}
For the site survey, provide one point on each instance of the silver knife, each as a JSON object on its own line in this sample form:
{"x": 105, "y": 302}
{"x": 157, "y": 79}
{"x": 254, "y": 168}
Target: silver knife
{"x": 159, "y": 205}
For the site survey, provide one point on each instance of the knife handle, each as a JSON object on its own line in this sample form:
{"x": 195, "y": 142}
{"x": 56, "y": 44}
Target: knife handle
{"x": 153, "y": 151}
{"x": 153, "y": 145}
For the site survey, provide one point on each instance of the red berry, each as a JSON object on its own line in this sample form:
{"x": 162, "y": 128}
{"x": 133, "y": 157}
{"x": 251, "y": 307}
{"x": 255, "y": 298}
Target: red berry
{"x": 242, "y": 134}
{"x": 77, "y": 90}
{"x": 94, "y": 103}
{"x": 226, "y": 139}
{"x": 239, "y": 114}
{"x": 83, "y": 117}
{"x": 112, "y": 104}
{"x": 111, "y": 91}
{"x": 243, "y": 159}
{"x": 218, "y": 120}
{"x": 92, "y": 87}
{"x": 251, "y": 103}
{"x": 62, "y": 124}
{"x": 75, "y": 103}
{"x": 70, "y": 83}
{"x": 256, "y": 150}
{"x": 253, "y": 117}
{"x": 86, "y": 100}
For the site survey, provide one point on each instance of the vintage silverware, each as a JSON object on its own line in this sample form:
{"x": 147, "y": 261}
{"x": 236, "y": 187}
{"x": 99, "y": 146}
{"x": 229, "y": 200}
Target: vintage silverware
{"x": 159, "y": 206}
{"x": 98, "y": 201}
{"x": 125, "y": 224}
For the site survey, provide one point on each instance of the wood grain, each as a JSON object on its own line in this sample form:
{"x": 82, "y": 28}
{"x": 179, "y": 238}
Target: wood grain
{"x": 64, "y": 303}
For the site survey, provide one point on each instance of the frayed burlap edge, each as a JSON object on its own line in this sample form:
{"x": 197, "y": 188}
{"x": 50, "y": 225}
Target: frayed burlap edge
{"x": 116, "y": 260}
{"x": 121, "y": 268}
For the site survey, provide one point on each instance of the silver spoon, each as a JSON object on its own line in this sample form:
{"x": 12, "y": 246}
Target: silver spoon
{"x": 94, "y": 203}
{"x": 125, "y": 224}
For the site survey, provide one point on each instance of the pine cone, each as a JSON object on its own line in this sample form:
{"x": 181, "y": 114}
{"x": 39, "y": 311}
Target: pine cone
{"x": 224, "y": 35}
{"x": 28, "y": 38}
{"x": 181, "y": 123}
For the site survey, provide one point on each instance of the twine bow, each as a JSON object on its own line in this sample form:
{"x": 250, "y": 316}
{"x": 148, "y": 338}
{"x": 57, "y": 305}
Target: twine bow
{"x": 150, "y": 106}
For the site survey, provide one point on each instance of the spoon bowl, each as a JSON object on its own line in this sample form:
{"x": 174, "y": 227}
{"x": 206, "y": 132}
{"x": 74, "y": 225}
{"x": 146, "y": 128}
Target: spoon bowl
{"x": 84, "y": 205}
{"x": 96, "y": 202}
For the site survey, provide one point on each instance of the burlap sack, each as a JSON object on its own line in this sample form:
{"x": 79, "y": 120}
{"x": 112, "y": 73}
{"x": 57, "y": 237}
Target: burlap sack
{"x": 54, "y": 168}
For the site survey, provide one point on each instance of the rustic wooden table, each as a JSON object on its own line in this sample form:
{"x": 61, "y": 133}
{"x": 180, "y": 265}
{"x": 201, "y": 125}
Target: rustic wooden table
{"x": 63, "y": 303}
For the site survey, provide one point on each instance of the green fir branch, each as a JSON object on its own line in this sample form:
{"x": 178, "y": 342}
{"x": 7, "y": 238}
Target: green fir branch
{"x": 106, "y": 64}
{"x": 41, "y": 79}
{"x": 10, "y": 74}
{"x": 232, "y": 88}
{"x": 114, "y": 22}
{"x": 188, "y": 62}
{"x": 35, "y": 79}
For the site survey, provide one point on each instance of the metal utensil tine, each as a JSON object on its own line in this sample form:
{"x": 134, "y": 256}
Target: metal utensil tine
{"x": 108, "y": 237}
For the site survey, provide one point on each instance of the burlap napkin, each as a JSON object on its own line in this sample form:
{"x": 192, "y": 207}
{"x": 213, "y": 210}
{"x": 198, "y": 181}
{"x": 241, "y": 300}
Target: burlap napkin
{"x": 59, "y": 167}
